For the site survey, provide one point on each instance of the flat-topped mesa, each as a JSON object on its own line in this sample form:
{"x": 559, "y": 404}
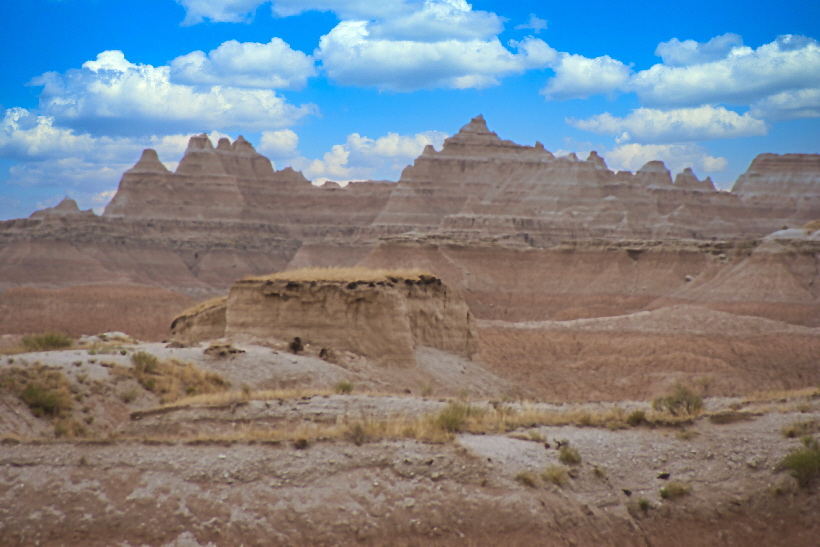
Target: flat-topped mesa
{"x": 383, "y": 315}
{"x": 773, "y": 174}
{"x": 687, "y": 180}
{"x": 67, "y": 207}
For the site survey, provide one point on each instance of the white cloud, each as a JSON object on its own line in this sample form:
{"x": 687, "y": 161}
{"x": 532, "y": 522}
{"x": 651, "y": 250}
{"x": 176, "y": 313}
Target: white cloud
{"x": 577, "y": 76}
{"x": 279, "y": 144}
{"x": 802, "y": 103}
{"x": 676, "y": 157}
{"x": 248, "y": 64}
{"x": 534, "y": 23}
{"x": 438, "y": 20}
{"x": 361, "y": 158}
{"x": 648, "y": 125}
{"x": 224, "y": 11}
{"x": 351, "y": 56}
{"x": 113, "y": 96}
{"x": 689, "y": 52}
{"x": 742, "y": 76}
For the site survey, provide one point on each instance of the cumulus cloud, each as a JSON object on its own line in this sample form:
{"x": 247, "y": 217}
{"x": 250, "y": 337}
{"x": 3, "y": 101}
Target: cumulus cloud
{"x": 676, "y": 157}
{"x": 238, "y": 11}
{"x": 351, "y": 56}
{"x": 439, "y": 20}
{"x": 362, "y": 158}
{"x": 279, "y": 144}
{"x": 802, "y": 103}
{"x": 112, "y": 96}
{"x": 248, "y": 64}
{"x": 649, "y": 125}
{"x": 219, "y": 11}
{"x": 689, "y": 52}
{"x": 742, "y": 75}
{"x": 577, "y": 76}
{"x": 535, "y": 24}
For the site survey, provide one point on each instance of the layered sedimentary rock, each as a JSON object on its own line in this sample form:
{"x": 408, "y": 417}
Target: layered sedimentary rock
{"x": 378, "y": 314}
{"x": 234, "y": 182}
{"x": 575, "y": 230}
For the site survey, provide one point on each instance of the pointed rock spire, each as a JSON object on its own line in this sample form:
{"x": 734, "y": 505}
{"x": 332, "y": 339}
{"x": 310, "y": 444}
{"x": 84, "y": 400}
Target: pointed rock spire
{"x": 149, "y": 163}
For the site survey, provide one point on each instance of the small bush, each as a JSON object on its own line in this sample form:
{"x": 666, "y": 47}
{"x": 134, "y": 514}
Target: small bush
{"x": 636, "y": 418}
{"x": 45, "y": 400}
{"x": 527, "y": 478}
{"x": 128, "y": 396}
{"x": 682, "y": 401}
{"x": 344, "y": 387}
{"x": 674, "y": 490}
{"x": 569, "y": 455}
{"x": 803, "y": 463}
{"x": 644, "y": 505}
{"x": 145, "y": 363}
{"x": 800, "y": 429}
{"x": 555, "y": 474}
{"x": 453, "y": 418}
{"x": 357, "y": 434}
{"x": 46, "y": 342}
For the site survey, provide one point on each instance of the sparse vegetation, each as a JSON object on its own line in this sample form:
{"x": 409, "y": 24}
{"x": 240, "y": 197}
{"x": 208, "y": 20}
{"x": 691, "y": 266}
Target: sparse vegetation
{"x": 801, "y": 428}
{"x": 344, "y": 387}
{"x": 636, "y": 418}
{"x": 569, "y": 455}
{"x": 686, "y": 434}
{"x": 644, "y": 505}
{"x": 803, "y": 463}
{"x": 527, "y": 478}
{"x": 454, "y": 417}
{"x": 128, "y": 395}
{"x": 173, "y": 379}
{"x": 674, "y": 490}
{"x": 555, "y": 474}
{"x": 46, "y": 391}
{"x": 682, "y": 402}
{"x": 46, "y": 342}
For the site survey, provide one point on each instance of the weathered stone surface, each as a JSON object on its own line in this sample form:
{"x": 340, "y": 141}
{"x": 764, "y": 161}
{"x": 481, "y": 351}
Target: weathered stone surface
{"x": 379, "y": 316}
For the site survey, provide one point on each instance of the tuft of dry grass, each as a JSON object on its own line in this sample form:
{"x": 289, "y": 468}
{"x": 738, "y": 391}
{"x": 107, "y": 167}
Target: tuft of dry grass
{"x": 204, "y": 306}
{"x": 173, "y": 379}
{"x": 356, "y": 273}
{"x": 674, "y": 490}
{"x": 527, "y": 478}
{"x": 556, "y": 474}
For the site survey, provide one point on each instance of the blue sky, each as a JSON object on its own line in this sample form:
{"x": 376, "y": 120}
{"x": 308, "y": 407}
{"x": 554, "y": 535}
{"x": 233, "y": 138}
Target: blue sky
{"x": 354, "y": 89}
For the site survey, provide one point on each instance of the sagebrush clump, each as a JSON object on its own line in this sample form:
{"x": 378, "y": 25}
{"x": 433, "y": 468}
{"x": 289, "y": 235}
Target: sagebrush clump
{"x": 46, "y": 342}
{"x": 682, "y": 401}
{"x": 803, "y": 463}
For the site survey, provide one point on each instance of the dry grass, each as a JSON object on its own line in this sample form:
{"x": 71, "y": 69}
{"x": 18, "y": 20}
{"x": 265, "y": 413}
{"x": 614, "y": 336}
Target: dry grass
{"x": 556, "y": 474}
{"x": 204, "y": 306}
{"x": 45, "y": 390}
{"x": 812, "y": 226}
{"x": 172, "y": 380}
{"x": 356, "y": 273}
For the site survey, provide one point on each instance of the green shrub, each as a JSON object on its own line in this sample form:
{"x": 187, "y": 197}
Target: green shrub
{"x": 803, "y": 463}
{"x": 555, "y": 474}
{"x": 569, "y": 455}
{"x": 46, "y": 342}
{"x": 145, "y": 363}
{"x": 674, "y": 490}
{"x": 344, "y": 387}
{"x": 454, "y": 417}
{"x": 50, "y": 400}
{"x": 644, "y": 505}
{"x": 682, "y": 401}
{"x": 636, "y": 418}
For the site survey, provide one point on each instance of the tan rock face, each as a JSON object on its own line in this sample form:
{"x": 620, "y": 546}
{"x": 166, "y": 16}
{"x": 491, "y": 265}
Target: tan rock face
{"x": 382, "y": 318}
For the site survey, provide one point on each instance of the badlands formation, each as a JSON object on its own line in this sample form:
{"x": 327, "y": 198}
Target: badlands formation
{"x": 553, "y": 297}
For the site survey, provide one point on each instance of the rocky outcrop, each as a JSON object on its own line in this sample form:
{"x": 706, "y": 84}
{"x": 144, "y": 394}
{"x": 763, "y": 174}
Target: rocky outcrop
{"x": 382, "y": 315}
{"x": 232, "y": 181}
{"x": 66, "y": 208}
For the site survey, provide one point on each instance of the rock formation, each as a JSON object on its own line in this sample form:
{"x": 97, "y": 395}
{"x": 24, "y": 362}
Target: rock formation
{"x": 227, "y": 213}
{"x": 384, "y": 315}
